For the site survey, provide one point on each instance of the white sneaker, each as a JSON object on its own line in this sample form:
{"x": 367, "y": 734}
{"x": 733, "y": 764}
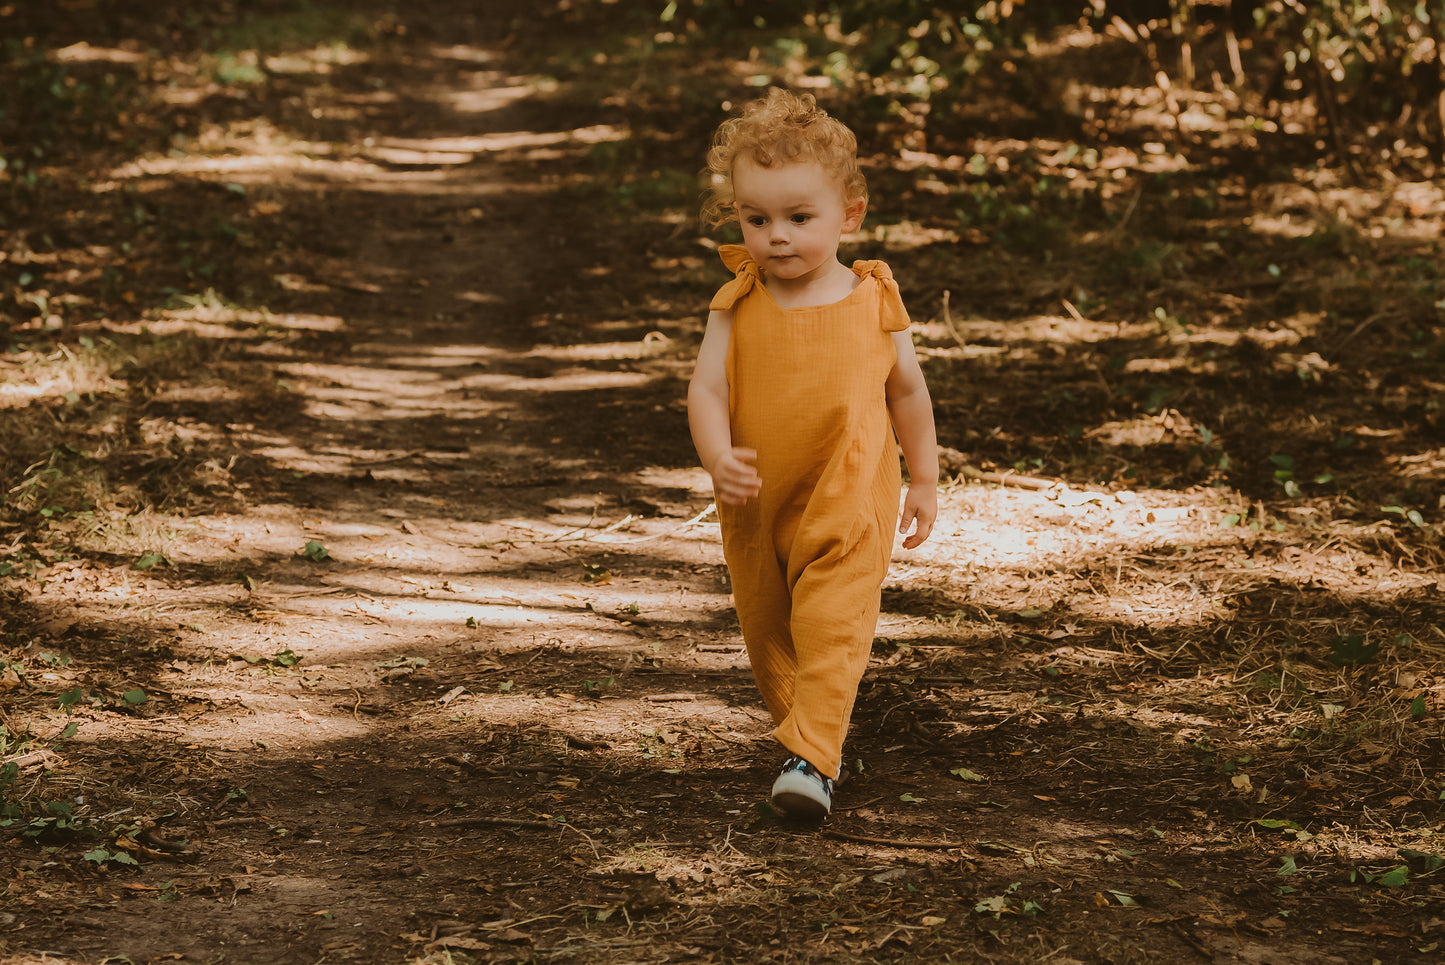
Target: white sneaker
{"x": 802, "y": 791}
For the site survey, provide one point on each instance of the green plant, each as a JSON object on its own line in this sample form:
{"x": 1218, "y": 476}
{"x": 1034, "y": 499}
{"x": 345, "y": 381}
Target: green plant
{"x": 1352, "y": 650}
{"x": 106, "y": 858}
{"x": 1009, "y": 903}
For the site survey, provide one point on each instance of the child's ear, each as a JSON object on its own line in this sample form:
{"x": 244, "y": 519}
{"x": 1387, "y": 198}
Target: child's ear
{"x": 853, "y": 213}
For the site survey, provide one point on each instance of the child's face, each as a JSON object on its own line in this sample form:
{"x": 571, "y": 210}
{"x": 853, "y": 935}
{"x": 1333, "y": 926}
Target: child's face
{"x": 792, "y": 217}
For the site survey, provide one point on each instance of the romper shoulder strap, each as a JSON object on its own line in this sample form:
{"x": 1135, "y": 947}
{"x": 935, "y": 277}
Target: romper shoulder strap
{"x": 892, "y": 316}
{"x": 745, "y": 277}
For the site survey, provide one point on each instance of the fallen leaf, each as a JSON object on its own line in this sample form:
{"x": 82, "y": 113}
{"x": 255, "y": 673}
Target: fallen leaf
{"x": 514, "y": 936}
{"x": 466, "y": 944}
{"x": 997, "y": 905}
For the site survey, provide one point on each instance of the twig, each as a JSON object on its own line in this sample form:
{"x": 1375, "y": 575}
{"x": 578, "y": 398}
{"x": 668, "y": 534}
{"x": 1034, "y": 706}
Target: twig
{"x": 1335, "y": 349}
{"x": 1190, "y": 940}
{"x": 1145, "y": 38}
{"x": 893, "y": 842}
{"x": 30, "y": 759}
{"x": 676, "y": 529}
{"x": 954, "y": 462}
{"x": 1118, "y": 227}
{"x": 1332, "y": 116}
{"x": 948, "y": 322}
{"x": 570, "y": 536}
{"x": 1231, "y": 44}
{"x": 233, "y": 822}
{"x": 494, "y": 822}
{"x": 1010, "y": 479}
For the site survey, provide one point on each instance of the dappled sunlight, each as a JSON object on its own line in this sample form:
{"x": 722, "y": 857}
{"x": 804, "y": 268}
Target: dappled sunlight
{"x": 1428, "y": 465}
{"x": 86, "y": 53}
{"x": 1022, "y": 335}
{"x": 566, "y": 380}
{"x": 256, "y": 155}
{"x": 600, "y": 351}
{"x": 904, "y": 235}
{"x": 408, "y": 355}
{"x": 470, "y": 147}
{"x": 1147, "y": 559}
{"x": 239, "y": 325}
{"x": 352, "y": 517}
{"x": 366, "y": 383}
{"x": 28, "y": 377}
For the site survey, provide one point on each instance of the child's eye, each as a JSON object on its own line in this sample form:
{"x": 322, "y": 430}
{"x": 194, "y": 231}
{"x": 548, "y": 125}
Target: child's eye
{"x": 757, "y": 222}
{"x": 801, "y": 218}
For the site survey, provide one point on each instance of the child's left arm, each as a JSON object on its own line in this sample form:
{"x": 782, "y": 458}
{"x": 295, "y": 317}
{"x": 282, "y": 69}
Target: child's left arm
{"x": 911, "y": 408}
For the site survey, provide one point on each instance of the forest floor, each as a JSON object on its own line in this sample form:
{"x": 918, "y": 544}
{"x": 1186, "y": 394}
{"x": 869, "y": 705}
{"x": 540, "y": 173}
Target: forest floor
{"x": 363, "y": 601}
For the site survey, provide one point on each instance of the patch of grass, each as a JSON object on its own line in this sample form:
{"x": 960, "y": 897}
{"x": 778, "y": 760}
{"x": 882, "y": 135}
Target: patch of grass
{"x": 81, "y": 470}
{"x": 307, "y": 24}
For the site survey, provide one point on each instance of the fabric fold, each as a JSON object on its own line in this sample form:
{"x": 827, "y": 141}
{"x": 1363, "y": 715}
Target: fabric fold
{"x": 745, "y": 277}
{"x": 892, "y": 316}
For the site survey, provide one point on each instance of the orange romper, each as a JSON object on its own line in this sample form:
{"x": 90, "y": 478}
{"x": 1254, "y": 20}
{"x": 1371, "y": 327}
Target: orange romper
{"x": 808, "y": 556}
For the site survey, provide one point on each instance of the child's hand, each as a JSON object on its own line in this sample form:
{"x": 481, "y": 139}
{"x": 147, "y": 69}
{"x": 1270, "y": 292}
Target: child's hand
{"x": 920, "y": 509}
{"x": 735, "y": 477}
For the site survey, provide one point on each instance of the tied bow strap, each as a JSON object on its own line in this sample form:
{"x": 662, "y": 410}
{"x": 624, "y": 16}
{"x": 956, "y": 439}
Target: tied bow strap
{"x": 745, "y": 277}
{"x": 892, "y": 316}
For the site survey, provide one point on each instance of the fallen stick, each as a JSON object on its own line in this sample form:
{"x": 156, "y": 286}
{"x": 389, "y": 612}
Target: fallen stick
{"x": 948, "y": 323}
{"x": 953, "y": 461}
{"x": 893, "y": 842}
{"x": 30, "y": 759}
{"x": 495, "y": 822}
{"x": 233, "y": 822}
{"x": 1011, "y": 479}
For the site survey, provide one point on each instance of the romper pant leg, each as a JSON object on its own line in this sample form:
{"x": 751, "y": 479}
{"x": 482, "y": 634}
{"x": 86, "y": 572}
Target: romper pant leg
{"x": 835, "y": 604}
{"x": 835, "y": 614}
{"x": 760, "y": 595}
{"x": 809, "y": 646}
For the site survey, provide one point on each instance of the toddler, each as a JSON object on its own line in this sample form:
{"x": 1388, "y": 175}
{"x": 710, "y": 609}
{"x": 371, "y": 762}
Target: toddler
{"x": 805, "y": 373}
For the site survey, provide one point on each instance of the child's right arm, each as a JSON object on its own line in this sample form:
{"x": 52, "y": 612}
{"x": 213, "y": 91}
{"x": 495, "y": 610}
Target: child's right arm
{"x": 733, "y": 468}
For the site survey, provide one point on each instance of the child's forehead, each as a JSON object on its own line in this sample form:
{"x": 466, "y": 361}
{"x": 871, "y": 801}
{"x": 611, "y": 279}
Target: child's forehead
{"x": 794, "y": 178}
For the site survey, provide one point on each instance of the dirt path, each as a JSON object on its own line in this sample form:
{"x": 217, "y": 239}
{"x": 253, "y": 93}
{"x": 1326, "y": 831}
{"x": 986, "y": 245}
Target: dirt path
{"x": 443, "y": 667}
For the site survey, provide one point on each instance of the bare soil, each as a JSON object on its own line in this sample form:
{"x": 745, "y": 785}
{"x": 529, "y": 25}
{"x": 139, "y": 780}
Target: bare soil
{"x": 439, "y": 664}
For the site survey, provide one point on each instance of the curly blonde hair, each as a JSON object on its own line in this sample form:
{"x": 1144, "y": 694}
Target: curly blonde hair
{"x": 782, "y": 128}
